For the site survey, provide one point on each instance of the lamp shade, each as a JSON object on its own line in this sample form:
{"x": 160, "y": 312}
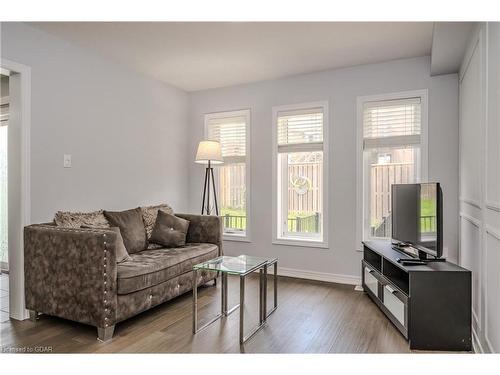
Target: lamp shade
{"x": 209, "y": 151}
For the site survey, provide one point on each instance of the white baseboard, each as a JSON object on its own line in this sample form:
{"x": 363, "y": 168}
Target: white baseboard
{"x": 319, "y": 276}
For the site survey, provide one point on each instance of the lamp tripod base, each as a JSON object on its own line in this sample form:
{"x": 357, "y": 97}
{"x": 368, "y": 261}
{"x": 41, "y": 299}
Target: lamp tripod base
{"x": 209, "y": 180}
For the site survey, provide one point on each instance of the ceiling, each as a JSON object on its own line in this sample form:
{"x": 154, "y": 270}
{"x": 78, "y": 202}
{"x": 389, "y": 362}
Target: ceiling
{"x": 201, "y": 55}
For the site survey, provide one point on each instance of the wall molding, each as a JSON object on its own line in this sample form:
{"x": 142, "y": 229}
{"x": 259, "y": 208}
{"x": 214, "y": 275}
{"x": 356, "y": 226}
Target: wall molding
{"x": 472, "y": 202}
{"x": 319, "y": 276}
{"x": 495, "y": 206}
{"x": 490, "y": 231}
{"x": 470, "y": 219}
{"x": 476, "y": 343}
{"x": 476, "y": 315}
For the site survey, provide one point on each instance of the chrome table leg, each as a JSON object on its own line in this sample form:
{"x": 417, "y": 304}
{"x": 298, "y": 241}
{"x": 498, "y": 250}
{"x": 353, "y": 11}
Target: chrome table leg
{"x": 242, "y": 308}
{"x": 224, "y": 294}
{"x": 275, "y": 278}
{"x": 195, "y": 301}
{"x": 264, "y": 297}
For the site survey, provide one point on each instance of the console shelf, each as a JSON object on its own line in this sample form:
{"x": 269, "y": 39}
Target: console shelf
{"x": 429, "y": 304}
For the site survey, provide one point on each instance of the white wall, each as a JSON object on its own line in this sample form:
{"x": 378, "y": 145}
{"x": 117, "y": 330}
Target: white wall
{"x": 480, "y": 181}
{"x": 341, "y": 88}
{"x": 127, "y": 133}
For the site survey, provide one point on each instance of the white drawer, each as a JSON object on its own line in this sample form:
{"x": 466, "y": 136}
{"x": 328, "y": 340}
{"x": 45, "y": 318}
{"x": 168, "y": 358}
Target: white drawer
{"x": 394, "y": 304}
{"x": 371, "y": 282}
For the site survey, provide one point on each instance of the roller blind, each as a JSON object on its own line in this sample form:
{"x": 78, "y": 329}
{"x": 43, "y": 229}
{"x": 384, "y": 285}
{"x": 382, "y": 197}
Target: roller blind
{"x": 230, "y": 132}
{"x": 300, "y": 129}
{"x": 392, "y": 122}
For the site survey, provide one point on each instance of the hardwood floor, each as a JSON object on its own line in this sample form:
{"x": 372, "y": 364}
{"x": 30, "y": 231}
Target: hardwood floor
{"x": 312, "y": 317}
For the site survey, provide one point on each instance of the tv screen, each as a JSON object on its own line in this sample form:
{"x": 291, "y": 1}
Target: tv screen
{"x": 417, "y": 216}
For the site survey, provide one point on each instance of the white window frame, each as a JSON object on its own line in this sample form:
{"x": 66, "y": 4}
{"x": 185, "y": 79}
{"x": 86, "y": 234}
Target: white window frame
{"x": 234, "y": 113}
{"x": 301, "y": 241}
{"x": 363, "y": 199}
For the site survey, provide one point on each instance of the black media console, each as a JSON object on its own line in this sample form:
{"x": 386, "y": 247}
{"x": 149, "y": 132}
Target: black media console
{"x": 429, "y": 304}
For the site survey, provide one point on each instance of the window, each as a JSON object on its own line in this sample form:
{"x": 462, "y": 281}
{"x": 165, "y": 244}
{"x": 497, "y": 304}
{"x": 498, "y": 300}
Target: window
{"x": 393, "y": 152}
{"x": 231, "y": 129}
{"x": 300, "y": 165}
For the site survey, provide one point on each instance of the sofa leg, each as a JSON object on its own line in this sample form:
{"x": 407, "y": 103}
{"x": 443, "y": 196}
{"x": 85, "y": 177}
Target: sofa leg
{"x": 105, "y": 334}
{"x": 215, "y": 282}
{"x": 33, "y": 315}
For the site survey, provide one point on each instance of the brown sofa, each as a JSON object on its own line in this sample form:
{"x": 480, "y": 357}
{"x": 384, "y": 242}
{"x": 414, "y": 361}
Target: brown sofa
{"x": 73, "y": 274}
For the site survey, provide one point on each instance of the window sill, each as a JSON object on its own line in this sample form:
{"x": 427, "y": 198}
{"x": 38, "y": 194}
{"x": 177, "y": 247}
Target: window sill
{"x": 235, "y": 237}
{"x": 302, "y": 243}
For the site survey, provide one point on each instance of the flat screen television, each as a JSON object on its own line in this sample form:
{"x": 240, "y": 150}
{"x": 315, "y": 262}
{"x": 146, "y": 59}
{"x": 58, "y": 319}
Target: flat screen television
{"x": 417, "y": 219}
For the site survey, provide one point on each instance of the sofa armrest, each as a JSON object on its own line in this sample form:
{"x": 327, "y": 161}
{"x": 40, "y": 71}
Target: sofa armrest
{"x": 71, "y": 273}
{"x": 204, "y": 228}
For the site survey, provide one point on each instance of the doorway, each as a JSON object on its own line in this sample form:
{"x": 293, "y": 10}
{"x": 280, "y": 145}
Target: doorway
{"x": 4, "y": 218}
{"x": 14, "y": 185}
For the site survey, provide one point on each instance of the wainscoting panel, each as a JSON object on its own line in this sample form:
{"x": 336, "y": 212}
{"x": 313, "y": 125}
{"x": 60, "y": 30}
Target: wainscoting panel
{"x": 470, "y": 258}
{"x": 470, "y": 129}
{"x": 493, "y": 123}
{"x": 492, "y": 289}
{"x": 480, "y": 181}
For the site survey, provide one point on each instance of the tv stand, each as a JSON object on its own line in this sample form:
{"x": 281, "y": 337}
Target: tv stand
{"x": 430, "y": 304}
{"x": 422, "y": 255}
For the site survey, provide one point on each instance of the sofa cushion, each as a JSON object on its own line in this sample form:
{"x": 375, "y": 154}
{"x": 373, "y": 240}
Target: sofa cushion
{"x": 169, "y": 230}
{"x": 152, "y": 267}
{"x": 131, "y": 227}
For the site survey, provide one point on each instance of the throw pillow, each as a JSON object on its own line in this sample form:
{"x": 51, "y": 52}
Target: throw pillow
{"x": 77, "y": 219}
{"x": 149, "y": 214}
{"x": 169, "y": 230}
{"x": 121, "y": 251}
{"x": 131, "y": 228}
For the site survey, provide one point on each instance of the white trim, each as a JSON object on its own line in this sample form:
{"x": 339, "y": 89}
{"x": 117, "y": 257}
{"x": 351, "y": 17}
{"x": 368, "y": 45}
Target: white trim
{"x": 424, "y": 148}
{"x": 477, "y": 223}
{"x": 470, "y": 219}
{"x": 471, "y": 202}
{"x": 235, "y": 237}
{"x": 491, "y": 205}
{"x": 300, "y": 243}
{"x": 246, "y": 112}
{"x": 476, "y": 343}
{"x": 276, "y": 239}
{"x": 493, "y": 233}
{"x": 319, "y": 276}
{"x": 17, "y": 308}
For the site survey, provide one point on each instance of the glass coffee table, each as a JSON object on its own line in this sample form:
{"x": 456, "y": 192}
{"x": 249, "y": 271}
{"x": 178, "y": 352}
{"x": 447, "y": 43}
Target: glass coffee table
{"x": 241, "y": 266}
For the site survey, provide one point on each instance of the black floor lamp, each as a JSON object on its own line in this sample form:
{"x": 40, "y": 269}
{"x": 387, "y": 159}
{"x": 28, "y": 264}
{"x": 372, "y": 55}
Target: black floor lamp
{"x": 209, "y": 153}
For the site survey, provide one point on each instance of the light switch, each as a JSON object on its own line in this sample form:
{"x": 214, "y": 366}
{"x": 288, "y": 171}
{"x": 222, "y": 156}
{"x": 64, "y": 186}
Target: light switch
{"x": 67, "y": 161}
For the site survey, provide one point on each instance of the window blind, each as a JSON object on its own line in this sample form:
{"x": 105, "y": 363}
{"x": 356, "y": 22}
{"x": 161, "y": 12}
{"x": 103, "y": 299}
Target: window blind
{"x": 230, "y": 132}
{"x": 392, "y": 122}
{"x": 4, "y": 114}
{"x": 302, "y": 128}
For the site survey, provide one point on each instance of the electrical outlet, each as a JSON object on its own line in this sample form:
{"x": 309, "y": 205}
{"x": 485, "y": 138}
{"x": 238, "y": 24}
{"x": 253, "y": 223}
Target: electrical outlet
{"x": 67, "y": 161}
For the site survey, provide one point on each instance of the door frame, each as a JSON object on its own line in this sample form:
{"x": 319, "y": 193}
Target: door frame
{"x": 20, "y": 84}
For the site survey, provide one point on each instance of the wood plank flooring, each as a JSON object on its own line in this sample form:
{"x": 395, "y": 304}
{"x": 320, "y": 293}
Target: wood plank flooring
{"x": 312, "y": 317}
